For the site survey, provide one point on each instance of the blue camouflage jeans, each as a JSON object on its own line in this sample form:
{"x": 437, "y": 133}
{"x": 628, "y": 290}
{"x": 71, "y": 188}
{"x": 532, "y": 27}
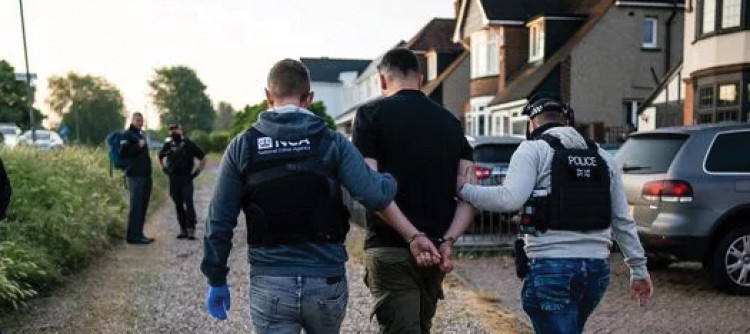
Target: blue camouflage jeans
{"x": 286, "y": 305}
{"x": 559, "y": 295}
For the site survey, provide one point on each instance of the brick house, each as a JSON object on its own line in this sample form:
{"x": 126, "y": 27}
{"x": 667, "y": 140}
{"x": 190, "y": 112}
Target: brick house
{"x": 604, "y": 57}
{"x": 712, "y": 84}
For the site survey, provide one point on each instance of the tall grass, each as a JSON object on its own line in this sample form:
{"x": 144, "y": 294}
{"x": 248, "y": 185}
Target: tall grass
{"x": 64, "y": 212}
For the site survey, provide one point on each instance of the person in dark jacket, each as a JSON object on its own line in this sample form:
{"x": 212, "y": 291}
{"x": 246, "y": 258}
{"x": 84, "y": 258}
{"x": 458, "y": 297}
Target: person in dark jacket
{"x": 139, "y": 180}
{"x": 176, "y": 159}
{"x": 286, "y": 174}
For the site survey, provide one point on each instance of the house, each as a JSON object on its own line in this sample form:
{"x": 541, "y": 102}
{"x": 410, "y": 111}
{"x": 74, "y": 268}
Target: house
{"x": 328, "y": 76}
{"x": 604, "y": 57}
{"x": 713, "y": 82}
{"x": 444, "y": 66}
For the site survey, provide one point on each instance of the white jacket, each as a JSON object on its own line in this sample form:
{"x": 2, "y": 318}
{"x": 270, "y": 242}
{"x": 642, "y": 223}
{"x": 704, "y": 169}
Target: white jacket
{"x": 530, "y": 169}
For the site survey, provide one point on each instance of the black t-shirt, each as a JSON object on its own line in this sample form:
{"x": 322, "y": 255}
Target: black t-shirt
{"x": 420, "y": 143}
{"x": 188, "y": 150}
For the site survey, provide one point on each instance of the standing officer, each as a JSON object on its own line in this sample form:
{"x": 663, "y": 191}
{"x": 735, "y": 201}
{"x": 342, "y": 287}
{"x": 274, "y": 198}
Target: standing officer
{"x": 138, "y": 173}
{"x": 176, "y": 159}
{"x": 575, "y": 200}
{"x": 286, "y": 174}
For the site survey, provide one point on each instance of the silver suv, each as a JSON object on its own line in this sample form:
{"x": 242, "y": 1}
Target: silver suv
{"x": 689, "y": 192}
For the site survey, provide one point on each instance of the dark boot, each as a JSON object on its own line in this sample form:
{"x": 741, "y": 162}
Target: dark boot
{"x": 191, "y": 233}
{"x": 183, "y": 233}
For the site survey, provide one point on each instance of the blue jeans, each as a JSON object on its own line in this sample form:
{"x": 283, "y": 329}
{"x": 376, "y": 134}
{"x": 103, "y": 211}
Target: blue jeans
{"x": 283, "y": 305}
{"x": 559, "y": 295}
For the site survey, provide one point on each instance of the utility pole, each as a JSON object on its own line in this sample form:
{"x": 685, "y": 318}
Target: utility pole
{"x": 28, "y": 76}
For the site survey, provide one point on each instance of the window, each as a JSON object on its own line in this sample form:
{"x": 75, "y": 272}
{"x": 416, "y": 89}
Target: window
{"x": 536, "y": 41}
{"x": 649, "y": 154}
{"x": 650, "y": 25}
{"x": 706, "y": 97}
{"x": 731, "y": 12}
{"x": 722, "y": 16}
{"x": 630, "y": 112}
{"x": 723, "y": 157}
{"x": 728, "y": 95}
{"x": 432, "y": 66}
{"x": 485, "y": 48}
{"x": 708, "y": 14}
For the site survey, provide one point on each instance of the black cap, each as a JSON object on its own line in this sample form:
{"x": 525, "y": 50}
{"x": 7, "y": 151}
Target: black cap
{"x": 543, "y": 102}
{"x": 173, "y": 127}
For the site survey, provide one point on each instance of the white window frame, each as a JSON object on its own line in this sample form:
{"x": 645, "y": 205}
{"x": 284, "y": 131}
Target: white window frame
{"x": 485, "y": 44}
{"x": 654, "y": 33}
{"x": 536, "y": 41}
{"x": 432, "y": 66}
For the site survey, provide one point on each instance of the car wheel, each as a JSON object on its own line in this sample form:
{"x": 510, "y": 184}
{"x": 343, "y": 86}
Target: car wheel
{"x": 731, "y": 266}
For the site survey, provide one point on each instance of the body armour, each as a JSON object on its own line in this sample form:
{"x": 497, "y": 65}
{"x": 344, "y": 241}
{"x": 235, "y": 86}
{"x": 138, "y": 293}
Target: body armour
{"x": 292, "y": 193}
{"x": 579, "y": 197}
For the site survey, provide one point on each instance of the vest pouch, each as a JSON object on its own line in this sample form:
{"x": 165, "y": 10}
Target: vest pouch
{"x": 331, "y": 221}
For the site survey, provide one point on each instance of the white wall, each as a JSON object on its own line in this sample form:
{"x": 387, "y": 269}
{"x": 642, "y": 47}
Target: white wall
{"x": 330, "y": 94}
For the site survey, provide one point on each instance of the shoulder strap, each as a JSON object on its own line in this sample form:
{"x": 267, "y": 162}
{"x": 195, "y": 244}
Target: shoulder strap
{"x": 553, "y": 141}
{"x": 591, "y": 144}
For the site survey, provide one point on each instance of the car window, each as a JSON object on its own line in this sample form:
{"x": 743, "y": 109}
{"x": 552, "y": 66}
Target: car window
{"x": 8, "y": 131}
{"x": 730, "y": 153}
{"x": 494, "y": 152}
{"x": 649, "y": 154}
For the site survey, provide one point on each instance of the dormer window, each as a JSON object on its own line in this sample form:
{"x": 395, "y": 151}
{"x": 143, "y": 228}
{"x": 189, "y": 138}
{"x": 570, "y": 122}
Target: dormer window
{"x": 536, "y": 40}
{"x": 432, "y": 65}
{"x": 485, "y": 49}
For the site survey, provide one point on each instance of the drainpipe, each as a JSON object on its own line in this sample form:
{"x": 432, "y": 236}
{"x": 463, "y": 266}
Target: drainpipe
{"x": 668, "y": 46}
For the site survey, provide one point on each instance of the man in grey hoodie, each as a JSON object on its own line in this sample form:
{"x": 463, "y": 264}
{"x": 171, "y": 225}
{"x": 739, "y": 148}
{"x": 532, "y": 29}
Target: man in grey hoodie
{"x": 569, "y": 266}
{"x": 285, "y": 173}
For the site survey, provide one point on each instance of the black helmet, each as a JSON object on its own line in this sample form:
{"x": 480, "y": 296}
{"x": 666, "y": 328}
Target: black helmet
{"x": 543, "y": 102}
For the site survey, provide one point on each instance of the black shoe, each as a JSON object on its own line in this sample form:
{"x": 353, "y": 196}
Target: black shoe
{"x": 183, "y": 234}
{"x": 140, "y": 241}
{"x": 191, "y": 233}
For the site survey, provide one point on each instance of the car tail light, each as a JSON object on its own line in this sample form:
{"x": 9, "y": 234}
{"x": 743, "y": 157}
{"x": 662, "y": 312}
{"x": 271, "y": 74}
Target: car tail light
{"x": 668, "y": 191}
{"x": 483, "y": 173}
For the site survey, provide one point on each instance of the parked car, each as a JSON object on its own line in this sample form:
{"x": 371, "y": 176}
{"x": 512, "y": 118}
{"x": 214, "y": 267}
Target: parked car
{"x": 45, "y": 139}
{"x": 689, "y": 191}
{"x": 10, "y": 133}
{"x": 611, "y": 148}
{"x": 492, "y": 156}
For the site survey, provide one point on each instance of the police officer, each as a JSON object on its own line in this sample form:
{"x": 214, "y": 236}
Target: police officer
{"x": 575, "y": 202}
{"x": 176, "y": 159}
{"x": 286, "y": 174}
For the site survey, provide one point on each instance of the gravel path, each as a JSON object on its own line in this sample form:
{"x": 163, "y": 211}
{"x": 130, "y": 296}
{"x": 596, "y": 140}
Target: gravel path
{"x": 684, "y": 302}
{"x": 159, "y": 289}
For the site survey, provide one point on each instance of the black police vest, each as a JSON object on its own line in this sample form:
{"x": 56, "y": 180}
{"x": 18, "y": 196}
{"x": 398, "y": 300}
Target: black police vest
{"x": 580, "y": 197}
{"x": 292, "y": 195}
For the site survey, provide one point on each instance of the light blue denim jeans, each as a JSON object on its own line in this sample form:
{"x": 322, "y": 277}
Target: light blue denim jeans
{"x": 559, "y": 295}
{"x": 285, "y": 305}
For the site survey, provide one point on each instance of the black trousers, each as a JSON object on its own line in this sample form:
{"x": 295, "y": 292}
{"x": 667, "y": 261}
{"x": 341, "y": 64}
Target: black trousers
{"x": 181, "y": 191}
{"x": 140, "y": 193}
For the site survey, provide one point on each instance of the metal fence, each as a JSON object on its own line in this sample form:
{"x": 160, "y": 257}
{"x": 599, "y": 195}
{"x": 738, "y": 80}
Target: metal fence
{"x": 490, "y": 230}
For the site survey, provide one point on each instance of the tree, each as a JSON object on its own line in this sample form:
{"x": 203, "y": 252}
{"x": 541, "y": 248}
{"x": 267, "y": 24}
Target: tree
{"x": 180, "y": 97}
{"x": 13, "y": 99}
{"x": 249, "y": 115}
{"x": 90, "y": 106}
{"x": 225, "y": 116}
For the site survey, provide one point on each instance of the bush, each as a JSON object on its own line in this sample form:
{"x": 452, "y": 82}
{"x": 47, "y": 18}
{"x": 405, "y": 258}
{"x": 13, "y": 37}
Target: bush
{"x": 219, "y": 141}
{"x": 200, "y": 138}
{"x": 64, "y": 211}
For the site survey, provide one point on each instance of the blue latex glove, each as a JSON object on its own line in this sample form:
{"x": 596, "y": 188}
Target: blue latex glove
{"x": 218, "y": 301}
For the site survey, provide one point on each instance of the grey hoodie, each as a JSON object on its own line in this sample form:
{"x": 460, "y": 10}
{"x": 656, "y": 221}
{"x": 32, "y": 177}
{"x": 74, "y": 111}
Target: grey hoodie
{"x": 375, "y": 191}
{"x": 529, "y": 170}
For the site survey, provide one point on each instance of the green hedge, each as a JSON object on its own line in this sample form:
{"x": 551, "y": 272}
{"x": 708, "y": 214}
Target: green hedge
{"x": 216, "y": 141}
{"x": 64, "y": 212}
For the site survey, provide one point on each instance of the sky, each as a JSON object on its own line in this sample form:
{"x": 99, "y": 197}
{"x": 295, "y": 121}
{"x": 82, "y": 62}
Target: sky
{"x": 231, "y": 44}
